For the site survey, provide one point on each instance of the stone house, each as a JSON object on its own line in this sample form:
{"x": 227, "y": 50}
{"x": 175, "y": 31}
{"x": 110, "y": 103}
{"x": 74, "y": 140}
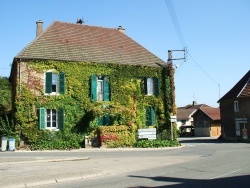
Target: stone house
{"x": 75, "y": 76}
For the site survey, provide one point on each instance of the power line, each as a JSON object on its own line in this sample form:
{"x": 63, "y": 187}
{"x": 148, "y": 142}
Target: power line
{"x": 178, "y": 31}
{"x": 175, "y": 21}
{"x": 204, "y": 72}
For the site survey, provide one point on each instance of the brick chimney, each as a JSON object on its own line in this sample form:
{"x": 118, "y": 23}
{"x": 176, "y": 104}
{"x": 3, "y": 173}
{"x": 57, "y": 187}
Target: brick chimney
{"x": 121, "y": 29}
{"x": 39, "y": 28}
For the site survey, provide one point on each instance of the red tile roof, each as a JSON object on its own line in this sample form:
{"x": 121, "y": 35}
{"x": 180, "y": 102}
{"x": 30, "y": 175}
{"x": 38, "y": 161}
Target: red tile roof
{"x": 213, "y": 113}
{"x": 241, "y": 89}
{"x": 83, "y": 43}
{"x": 184, "y": 113}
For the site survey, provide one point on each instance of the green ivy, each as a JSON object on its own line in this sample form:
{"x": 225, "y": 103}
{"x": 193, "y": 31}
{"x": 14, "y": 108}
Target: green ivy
{"x": 127, "y": 105}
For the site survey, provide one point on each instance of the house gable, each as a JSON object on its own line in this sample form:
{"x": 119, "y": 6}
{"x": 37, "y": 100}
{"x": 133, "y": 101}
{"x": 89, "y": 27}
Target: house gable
{"x": 241, "y": 89}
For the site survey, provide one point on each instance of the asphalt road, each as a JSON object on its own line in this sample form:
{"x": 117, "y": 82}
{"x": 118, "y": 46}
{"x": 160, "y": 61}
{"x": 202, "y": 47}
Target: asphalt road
{"x": 201, "y": 163}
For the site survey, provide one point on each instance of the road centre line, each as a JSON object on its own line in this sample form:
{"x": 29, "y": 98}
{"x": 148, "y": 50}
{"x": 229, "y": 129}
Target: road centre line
{"x": 225, "y": 174}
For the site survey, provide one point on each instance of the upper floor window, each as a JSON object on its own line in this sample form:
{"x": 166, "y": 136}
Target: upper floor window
{"x": 51, "y": 118}
{"x": 236, "y": 106}
{"x": 100, "y": 89}
{"x": 151, "y": 86}
{"x": 54, "y": 83}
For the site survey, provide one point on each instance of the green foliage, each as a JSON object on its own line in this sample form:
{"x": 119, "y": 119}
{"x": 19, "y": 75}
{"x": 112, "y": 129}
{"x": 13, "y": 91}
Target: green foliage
{"x": 117, "y": 136}
{"x": 156, "y": 143}
{"x": 127, "y": 105}
{"x": 5, "y": 96}
{"x": 166, "y": 133}
{"x": 7, "y": 126}
{"x": 59, "y": 140}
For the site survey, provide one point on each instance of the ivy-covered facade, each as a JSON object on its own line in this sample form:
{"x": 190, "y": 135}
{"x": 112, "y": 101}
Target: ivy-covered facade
{"x": 82, "y": 96}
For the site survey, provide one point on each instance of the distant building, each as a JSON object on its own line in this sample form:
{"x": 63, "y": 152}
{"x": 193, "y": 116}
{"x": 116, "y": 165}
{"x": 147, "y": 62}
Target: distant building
{"x": 235, "y": 110}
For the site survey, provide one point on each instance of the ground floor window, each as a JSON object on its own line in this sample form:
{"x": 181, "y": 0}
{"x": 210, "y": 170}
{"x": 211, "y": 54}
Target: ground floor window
{"x": 51, "y": 118}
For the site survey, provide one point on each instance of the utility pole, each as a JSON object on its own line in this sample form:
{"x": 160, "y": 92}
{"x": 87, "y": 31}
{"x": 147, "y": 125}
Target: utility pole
{"x": 170, "y": 55}
{"x": 173, "y": 111}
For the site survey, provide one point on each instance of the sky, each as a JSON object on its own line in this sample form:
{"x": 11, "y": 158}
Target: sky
{"x": 216, "y": 34}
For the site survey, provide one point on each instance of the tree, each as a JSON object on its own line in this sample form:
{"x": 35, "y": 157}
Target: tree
{"x": 5, "y": 96}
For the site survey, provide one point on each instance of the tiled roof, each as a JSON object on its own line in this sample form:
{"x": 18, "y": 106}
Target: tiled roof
{"x": 241, "y": 89}
{"x": 184, "y": 114}
{"x": 83, "y": 43}
{"x": 213, "y": 113}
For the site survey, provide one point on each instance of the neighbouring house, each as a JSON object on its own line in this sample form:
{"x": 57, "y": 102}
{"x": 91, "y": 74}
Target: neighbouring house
{"x": 78, "y": 77}
{"x": 199, "y": 119}
{"x": 184, "y": 114}
{"x": 207, "y": 122}
{"x": 235, "y": 110}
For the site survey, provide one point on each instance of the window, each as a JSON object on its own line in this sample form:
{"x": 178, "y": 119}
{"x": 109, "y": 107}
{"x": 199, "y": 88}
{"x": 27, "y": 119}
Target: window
{"x": 151, "y": 86}
{"x": 105, "y": 120}
{"x": 237, "y": 128}
{"x": 51, "y": 118}
{"x": 54, "y": 83}
{"x": 100, "y": 90}
{"x": 150, "y": 116}
{"x": 236, "y": 106}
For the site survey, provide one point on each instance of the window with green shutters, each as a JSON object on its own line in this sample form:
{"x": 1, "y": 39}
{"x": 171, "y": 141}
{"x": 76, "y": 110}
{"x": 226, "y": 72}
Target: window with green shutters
{"x": 105, "y": 120}
{"x": 150, "y": 116}
{"x": 100, "y": 88}
{"x": 151, "y": 86}
{"x": 51, "y": 118}
{"x": 54, "y": 83}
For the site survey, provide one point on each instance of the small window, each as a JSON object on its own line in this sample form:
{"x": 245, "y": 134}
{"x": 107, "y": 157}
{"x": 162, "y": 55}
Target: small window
{"x": 236, "y": 106}
{"x": 100, "y": 90}
{"x": 51, "y": 118}
{"x": 151, "y": 86}
{"x": 105, "y": 120}
{"x": 54, "y": 83}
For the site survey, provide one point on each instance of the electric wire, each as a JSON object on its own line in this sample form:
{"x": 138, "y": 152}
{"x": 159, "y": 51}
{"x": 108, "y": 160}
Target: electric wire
{"x": 178, "y": 31}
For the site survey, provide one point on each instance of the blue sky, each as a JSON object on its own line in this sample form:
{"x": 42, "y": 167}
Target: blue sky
{"x": 216, "y": 33}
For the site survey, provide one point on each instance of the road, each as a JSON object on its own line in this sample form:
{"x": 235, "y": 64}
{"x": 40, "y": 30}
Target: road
{"x": 201, "y": 163}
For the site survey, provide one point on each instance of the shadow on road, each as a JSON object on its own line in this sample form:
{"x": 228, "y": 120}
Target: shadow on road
{"x": 229, "y": 182}
{"x": 200, "y": 140}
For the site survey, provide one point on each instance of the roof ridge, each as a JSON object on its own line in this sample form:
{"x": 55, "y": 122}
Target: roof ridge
{"x": 235, "y": 91}
{"x": 76, "y": 42}
{"x": 35, "y": 39}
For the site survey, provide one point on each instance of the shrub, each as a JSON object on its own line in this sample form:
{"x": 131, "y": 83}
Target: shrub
{"x": 156, "y": 143}
{"x": 117, "y": 136}
{"x": 61, "y": 140}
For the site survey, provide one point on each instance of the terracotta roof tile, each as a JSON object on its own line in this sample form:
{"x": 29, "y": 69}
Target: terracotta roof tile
{"x": 184, "y": 114}
{"x": 213, "y": 113}
{"x": 83, "y": 43}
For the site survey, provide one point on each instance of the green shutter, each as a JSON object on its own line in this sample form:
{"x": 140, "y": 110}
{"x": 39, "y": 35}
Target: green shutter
{"x": 107, "y": 119}
{"x": 60, "y": 119}
{"x": 42, "y": 115}
{"x": 150, "y": 116}
{"x": 100, "y": 121}
{"x": 106, "y": 89}
{"x": 61, "y": 83}
{"x": 48, "y": 82}
{"x": 93, "y": 88}
{"x": 156, "y": 86}
{"x": 145, "y": 86}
